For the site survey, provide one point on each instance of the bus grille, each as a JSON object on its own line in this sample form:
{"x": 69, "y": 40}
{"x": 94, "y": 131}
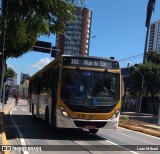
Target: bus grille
{"x": 85, "y": 123}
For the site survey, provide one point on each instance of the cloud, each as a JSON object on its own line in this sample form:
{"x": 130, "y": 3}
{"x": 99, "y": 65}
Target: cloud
{"x": 41, "y": 63}
{"x": 9, "y": 65}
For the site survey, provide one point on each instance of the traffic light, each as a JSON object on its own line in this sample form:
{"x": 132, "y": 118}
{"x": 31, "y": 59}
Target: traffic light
{"x": 42, "y": 46}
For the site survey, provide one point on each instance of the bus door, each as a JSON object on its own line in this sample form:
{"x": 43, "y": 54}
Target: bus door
{"x": 55, "y": 78}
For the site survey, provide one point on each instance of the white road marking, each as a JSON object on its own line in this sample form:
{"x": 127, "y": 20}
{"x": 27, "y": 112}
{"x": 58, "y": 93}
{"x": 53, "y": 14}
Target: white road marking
{"x": 14, "y": 109}
{"x": 141, "y": 133}
{"x": 23, "y": 109}
{"x": 19, "y": 132}
{"x": 121, "y": 147}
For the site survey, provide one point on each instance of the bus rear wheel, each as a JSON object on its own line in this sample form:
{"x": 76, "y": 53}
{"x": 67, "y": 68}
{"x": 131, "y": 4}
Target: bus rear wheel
{"x": 93, "y": 131}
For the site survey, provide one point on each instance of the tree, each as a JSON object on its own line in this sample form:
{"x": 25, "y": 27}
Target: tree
{"x": 10, "y": 73}
{"x": 28, "y": 19}
{"x": 153, "y": 57}
{"x": 151, "y": 71}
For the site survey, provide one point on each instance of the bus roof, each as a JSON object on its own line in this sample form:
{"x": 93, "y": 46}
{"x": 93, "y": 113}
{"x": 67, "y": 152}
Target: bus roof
{"x": 71, "y": 60}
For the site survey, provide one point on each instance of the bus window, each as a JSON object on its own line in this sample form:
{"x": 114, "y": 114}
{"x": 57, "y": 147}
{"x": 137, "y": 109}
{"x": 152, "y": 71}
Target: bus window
{"x": 76, "y": 87}
{"x": 105, "y": 85}
{"x": 89, "y": 87}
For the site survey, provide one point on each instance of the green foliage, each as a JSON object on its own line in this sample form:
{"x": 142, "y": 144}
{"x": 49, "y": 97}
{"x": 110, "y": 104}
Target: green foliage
{"x": 10, "y": 73}
{"x": 151, "y": 71}
{"x": 153, "y": 57}
{"x": 124, "y": 118}
{"x": 28, "y": 19}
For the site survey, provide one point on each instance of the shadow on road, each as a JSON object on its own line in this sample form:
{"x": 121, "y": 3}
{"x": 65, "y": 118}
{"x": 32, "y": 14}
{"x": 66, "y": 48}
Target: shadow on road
{"x": 34, "y": 128}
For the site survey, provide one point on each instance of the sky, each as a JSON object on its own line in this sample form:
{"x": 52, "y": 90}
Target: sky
{"x": 119, "y": 27}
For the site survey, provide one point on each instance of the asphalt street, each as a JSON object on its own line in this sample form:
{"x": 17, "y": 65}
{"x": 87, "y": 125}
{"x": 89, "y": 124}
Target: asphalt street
{"x": 23, "y": 129}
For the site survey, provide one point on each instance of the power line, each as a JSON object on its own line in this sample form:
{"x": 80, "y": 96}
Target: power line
{"x": 132, "y": 57}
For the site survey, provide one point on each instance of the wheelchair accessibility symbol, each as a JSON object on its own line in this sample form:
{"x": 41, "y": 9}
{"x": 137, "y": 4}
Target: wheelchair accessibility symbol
{"x": 95, "y": 102}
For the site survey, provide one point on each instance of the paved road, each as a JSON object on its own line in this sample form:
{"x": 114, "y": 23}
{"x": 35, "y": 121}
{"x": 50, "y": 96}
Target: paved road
{"x": 23, "y": 129}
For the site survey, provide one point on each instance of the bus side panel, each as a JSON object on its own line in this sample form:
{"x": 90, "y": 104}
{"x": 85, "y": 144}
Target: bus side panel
{"x": 44, "y": 102}
{"x": 34, "y": 101}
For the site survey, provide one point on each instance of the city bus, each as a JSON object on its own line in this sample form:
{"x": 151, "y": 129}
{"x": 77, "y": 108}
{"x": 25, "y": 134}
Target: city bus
{"x": 80, "y": 92}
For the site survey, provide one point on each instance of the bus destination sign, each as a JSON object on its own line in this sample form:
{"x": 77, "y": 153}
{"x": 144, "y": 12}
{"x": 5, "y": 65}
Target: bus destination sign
{"x": 90, "y": 62}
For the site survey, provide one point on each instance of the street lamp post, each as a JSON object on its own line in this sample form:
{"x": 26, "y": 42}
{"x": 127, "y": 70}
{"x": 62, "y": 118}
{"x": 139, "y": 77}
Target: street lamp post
{"x": 141, "y": 95}
{"x": 73, "y": 44}
{"x": 70, "y": 40}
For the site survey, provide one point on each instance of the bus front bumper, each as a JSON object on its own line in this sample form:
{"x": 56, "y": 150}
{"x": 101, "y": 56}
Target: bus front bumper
{"x": 67, "y": 122}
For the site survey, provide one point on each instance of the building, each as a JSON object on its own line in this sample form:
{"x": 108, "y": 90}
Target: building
{"x": 23, "y": 77}
{"x": 76, "y": 39}
{"x": 23, "y": 89}
{"x": 154, "y": 37}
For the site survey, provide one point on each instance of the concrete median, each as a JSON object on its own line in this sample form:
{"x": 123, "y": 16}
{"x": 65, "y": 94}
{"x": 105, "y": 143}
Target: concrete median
{"x": 139, "y": 129}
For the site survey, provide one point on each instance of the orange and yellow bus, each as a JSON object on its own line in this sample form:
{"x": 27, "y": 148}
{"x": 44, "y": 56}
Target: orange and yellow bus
{"x": 77, "y": 92}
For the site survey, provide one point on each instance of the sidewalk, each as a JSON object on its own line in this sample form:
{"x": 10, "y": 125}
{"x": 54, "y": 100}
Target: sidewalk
{"x": 145, "y": 117}
{"x": 10, "y": 100}
{"x": 3, "y": 110}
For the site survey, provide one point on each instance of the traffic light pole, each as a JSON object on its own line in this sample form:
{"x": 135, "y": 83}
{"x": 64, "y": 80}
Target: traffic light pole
{"x": 2, "y": 85}
{"x": 3, "y": 63}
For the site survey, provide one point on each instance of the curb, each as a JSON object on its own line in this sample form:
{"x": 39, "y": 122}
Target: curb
{"x": 142, "y": 130}
{"x": 4, "y": 139}
{"x": 7, "y": 109}
{"x": 2, "y": 129}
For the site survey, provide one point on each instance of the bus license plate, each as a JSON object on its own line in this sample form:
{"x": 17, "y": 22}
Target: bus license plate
{"x": 90, "y": 126}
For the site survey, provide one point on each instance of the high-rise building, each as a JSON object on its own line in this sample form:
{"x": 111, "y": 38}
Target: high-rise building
{"x": 76, "y": 39}
{"x": 154, "y": 36}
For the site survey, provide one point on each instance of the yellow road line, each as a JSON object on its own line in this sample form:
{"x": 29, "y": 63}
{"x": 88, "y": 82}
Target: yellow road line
{"x": 4, "y": 139}
{"x": 6, "y": 110}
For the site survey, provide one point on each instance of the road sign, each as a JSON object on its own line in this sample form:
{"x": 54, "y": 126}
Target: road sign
{"x": 9, "y": 81}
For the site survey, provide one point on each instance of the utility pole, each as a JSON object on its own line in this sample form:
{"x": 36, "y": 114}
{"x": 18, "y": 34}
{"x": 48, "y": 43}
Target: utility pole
{"x": 3, "y": 62}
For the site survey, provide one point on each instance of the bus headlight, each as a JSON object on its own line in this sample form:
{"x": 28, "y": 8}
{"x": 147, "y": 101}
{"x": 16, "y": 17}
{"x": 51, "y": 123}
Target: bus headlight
{"x": 64, "y": 112}
{"x": 115, "y": 114}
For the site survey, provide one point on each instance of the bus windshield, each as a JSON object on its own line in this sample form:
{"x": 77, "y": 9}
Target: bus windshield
{"x": 92, "y": 88}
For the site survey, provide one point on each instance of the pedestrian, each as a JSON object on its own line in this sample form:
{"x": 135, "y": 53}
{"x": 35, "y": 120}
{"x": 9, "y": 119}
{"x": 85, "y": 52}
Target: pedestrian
{"x": 16, "y": 98}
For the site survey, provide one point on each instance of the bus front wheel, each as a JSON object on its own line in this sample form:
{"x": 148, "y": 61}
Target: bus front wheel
{"x": 32, "y": 109}
{"x": 93, "y": 131}
{"x": 47, "y": 115}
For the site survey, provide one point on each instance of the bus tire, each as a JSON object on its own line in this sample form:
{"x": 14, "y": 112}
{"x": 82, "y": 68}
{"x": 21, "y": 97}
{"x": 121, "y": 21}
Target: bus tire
{"x": 33, "y": 115}
{"x": 93, "y": 131}
{"x": 47, "y": 115}
{"x": 32, "y": 109}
